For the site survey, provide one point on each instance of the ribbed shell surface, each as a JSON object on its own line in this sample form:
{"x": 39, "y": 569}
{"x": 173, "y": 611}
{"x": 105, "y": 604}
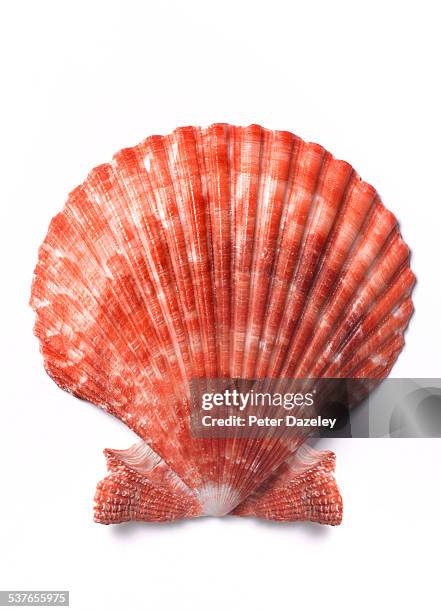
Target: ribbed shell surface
{"x": 212, "y": 253}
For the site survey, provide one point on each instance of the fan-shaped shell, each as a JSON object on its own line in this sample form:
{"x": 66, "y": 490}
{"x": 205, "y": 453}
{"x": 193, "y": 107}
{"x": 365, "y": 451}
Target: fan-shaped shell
{"x": 213, "y": 253}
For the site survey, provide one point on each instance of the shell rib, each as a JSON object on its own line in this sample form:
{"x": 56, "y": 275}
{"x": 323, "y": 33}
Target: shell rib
{"x": 216, "y": 253}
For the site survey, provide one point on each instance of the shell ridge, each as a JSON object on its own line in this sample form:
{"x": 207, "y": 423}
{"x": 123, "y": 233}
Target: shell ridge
{"x": 91, "y": 186}
{"x": 254, "y": 260}
{"x": 159, "y": 272}
{"x": 174, "y": 239}
{"x": 384, "y": 359}
{"x": 348, "y": 291}
{"x": 246, "y": 186}
{"x": 205, "y": 461}
{"x": 215, "y": 140}
{"x": 240, "y": 446}
{"x": 321, "y": 157}
{"x": 106, "y": 257}
{"x": 278, "y": 150}
{"x": 324, "y": 282}
{"x": 121, "y": 238}
{"x": 246, "y": 155}
{"x": 192, "y": 205}
{"x": 382, "y": 332}
{"x": 159, "y": 424}
{"x": 364, "y": 290}
{"x": 400, "y": 317}
{"x": 339, "y": 200}
{"x": 290, "y": 245}
{"x": 208, "y": 446}
{"x": 276, "y": 178}
{"x": 156, "y": 308}
{"x": 397, "y": 292}
{"x": 296, "y": 147}
{"x": 175, "y": 158}
{"x": 270, "y": 448}
{"x": 174, "y": 325}
{"x": 217, "y": 215}
{"x": 330, "y": 201}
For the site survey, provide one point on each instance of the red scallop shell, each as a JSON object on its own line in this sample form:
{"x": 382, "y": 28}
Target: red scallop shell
{"x": 212, "y": 253}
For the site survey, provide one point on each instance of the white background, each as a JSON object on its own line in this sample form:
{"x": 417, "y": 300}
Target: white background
{"x": 81, "y": 80}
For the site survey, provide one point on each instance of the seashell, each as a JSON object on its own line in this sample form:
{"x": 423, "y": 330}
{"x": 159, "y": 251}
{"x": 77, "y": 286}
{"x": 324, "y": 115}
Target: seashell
{"x": 225, "y": 252}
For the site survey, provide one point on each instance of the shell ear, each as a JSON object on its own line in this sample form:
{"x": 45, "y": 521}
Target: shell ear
{"x": 140, "y": 486}
{"x": 302, "y": 489}
{"x": 124, "y": 496}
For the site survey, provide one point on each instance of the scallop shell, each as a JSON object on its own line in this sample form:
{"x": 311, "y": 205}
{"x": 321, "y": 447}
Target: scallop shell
{"x": 225, "y": 252}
